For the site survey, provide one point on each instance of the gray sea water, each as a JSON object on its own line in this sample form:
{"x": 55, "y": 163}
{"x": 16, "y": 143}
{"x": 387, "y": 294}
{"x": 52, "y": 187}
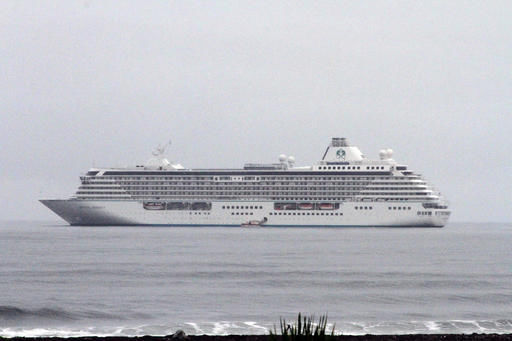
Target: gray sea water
{"x": 70, "y": 281}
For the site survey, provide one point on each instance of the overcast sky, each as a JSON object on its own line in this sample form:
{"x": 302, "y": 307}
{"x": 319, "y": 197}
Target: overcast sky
{"x": 101, "y": 83}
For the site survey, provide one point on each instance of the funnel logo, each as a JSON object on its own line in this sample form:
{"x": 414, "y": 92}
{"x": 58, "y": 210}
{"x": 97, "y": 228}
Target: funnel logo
{"x": 340, "y": 154}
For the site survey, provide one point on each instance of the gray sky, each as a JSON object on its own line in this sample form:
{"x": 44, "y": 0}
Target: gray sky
{"x": 86, "y": 83}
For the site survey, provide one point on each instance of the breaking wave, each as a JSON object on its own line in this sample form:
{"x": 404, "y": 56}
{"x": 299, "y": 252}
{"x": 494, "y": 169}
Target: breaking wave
{"x": 255, "y": 328}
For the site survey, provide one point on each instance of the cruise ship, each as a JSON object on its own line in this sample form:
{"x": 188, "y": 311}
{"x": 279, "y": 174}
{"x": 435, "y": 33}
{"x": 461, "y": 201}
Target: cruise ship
{"x": 344, "y": 188}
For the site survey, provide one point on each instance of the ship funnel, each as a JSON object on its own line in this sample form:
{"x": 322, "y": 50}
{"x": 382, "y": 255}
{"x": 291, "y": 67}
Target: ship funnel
{"x": 341, "y": 151}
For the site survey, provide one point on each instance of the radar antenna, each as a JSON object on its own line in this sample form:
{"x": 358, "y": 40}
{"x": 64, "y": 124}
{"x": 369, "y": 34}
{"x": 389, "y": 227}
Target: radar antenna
{"x": 160, "y": 150}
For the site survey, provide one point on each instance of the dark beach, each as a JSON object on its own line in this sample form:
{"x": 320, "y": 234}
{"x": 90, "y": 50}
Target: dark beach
{"x": 408, "y": 337}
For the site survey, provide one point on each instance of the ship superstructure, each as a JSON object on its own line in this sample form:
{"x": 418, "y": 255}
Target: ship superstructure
{"x": 343, "y": 189}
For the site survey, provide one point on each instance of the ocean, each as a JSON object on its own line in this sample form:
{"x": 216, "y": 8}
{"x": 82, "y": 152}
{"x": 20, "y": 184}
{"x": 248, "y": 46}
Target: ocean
{"x": 59, "y": 280}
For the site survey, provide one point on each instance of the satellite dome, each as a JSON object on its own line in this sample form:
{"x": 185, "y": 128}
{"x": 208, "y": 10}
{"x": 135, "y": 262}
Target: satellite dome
{"x": 282, "y": 157}
{"x": 389, "y": 151}
{"x": 291, "y": 159}
{"x": 382, "y": 154}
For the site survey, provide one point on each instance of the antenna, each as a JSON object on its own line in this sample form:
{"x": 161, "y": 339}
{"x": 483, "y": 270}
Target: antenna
{"x": 160, "y": 150}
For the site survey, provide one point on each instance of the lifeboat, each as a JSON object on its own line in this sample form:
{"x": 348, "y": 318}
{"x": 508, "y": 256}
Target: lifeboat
{"x": 154, "y": 206}
{"x": 326, "y": 206}
{"x": 305, "y": 206}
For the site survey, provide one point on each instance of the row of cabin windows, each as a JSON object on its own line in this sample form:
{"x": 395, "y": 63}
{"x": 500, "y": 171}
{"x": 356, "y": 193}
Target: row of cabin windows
{"x": 338, "y": 167}
{"x": 241, "y": 213}
{"x": 254, "y": 194}
{"x": 304, "y": 213}
{"x": 102, "y": 193}
{"x": 396, "y": 193}
{"x": 251, "y": 187}
{"x": 328, "y": 181}
{"x": 349, "y": 167}
{"x": 424, "y": 213}
{"x": 363, "y": 208}
{"x": 299, "y": 191}
{"x": 312, "y": 191}
{"x": 231, "y": 184}
{"x": 275, "y": 197}
{"x": 273, "y": 188}
{"x": 327, "y": 191}
{"x": 273, "y": 178}
{"x": 263, "y": 178}
{"x": 399, "y": 208}
{"x": 242, "y": 207}
{"x": 311, "y": 187}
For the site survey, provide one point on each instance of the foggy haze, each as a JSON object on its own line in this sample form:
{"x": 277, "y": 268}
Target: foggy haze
{"x": 101, "y": 83}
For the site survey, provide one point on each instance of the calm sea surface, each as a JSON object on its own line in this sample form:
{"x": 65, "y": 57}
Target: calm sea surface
{"x": 70, "y": 281}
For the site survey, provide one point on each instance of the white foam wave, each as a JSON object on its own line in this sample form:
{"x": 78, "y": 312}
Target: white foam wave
{"x": 197, "y": 329}
{"x": 432, "y": 326}
{"x": 258, "y": 328}
{"x": 50, "y": 332}
{"x": 254, "y": 325}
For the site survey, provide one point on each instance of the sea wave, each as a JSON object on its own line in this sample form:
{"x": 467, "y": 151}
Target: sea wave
{"x": 256, "y": 328}
{"x": 12, "y": 313}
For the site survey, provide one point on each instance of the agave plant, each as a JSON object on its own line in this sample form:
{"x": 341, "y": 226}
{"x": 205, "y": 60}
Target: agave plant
{"x": 306, "y": 329}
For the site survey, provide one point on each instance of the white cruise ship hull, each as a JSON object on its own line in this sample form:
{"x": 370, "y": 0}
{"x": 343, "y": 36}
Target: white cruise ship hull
{"x": 349, "y": 214}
